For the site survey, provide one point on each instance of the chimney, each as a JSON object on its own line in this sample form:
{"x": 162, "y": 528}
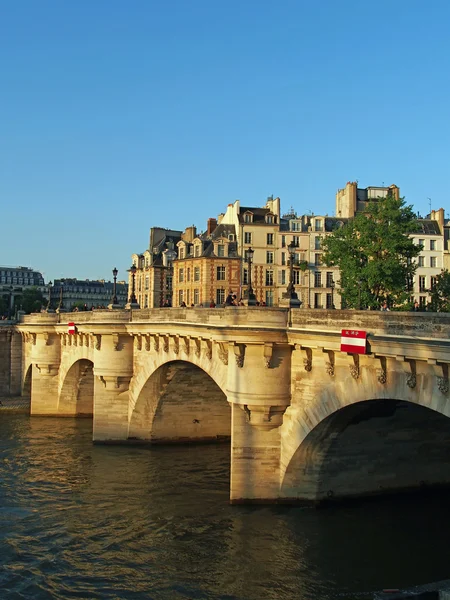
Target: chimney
{"x": 211, "y": 225}
{"x": 189, "y": 234}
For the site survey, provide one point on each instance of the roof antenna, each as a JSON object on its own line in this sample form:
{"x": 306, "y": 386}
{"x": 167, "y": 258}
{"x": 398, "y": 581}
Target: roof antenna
{"x": 430, "y": 204}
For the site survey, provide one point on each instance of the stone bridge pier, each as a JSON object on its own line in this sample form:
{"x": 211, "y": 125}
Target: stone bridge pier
{"x": 305, "y": 420}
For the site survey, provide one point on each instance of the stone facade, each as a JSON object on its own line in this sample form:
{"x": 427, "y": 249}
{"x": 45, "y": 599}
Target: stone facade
{"x": 78, "y": 292}
{"x": 307, "y": 421}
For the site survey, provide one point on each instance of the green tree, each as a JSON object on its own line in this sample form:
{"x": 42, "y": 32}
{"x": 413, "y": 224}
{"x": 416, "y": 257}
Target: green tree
{"x": 31, "y": 300}
{"x": 4, "y": 305}
{"x": 440, "y": 293}
{"x": 375, "y": 254}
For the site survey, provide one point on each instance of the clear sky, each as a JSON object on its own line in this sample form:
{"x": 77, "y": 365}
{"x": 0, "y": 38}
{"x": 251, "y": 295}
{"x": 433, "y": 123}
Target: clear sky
{"x": 116, "y": 116}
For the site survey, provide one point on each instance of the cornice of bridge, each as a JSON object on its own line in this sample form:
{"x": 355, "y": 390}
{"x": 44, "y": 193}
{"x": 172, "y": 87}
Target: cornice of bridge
{"x": 418, "y": 336}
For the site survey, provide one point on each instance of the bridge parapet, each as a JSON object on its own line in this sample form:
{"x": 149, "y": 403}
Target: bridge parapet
{"x": 230, "y": 316}
{"x": 422, "y": 324}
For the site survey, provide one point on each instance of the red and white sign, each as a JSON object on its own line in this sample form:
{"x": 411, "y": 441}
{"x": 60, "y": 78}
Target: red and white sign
{"x": 353, "y": 341}
{"x": 71, "y": 328}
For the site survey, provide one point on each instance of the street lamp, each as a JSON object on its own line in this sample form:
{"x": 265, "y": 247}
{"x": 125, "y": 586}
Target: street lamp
{"x": 251, "y": 298}
{"x": 291, "y": 294}
{"x": 114, "y": 298}
{"x": 332, "y": 284}
{"x": 60, "y": 303}
{"x": 133, "y": 299}
{"x": 49, "y": 295}
{"x": 10, "y": 301}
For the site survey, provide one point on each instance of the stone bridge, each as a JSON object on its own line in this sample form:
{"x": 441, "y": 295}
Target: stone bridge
{"x": 306, "y": 421}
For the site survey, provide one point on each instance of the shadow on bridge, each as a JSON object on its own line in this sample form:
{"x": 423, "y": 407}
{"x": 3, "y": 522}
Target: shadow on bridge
{"x": 370, "y": 448}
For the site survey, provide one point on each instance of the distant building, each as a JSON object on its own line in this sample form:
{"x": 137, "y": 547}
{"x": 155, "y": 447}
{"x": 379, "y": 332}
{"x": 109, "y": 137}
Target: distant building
{"x": 315, "y": 284}
{"x": 75, "y": 292}
{"x": 258, "y": 229}
{"x": 14, "y": 280}
{"x": 430, "y": 262}
{"x": 207, "y": 268}
{"x": 21, "y": 277}
{"x": 154, "y": 274}
{"x": 352, "y": 199}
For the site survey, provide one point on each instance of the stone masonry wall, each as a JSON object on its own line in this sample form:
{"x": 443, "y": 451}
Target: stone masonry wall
{"x": 192, "y": 407}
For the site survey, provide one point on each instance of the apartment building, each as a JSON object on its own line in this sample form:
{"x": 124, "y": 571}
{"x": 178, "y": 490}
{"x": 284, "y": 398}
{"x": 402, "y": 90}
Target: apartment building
{"x": 207, "y": 267}
{"x": 154, "y": 271}
{"x": 258, "y": 229}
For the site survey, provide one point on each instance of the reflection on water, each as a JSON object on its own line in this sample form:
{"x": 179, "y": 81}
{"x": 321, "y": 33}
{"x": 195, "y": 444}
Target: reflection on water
{"x": 121, "y": 522}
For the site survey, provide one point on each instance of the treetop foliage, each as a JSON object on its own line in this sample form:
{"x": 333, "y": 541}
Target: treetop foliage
{"x": 375, "y": 254}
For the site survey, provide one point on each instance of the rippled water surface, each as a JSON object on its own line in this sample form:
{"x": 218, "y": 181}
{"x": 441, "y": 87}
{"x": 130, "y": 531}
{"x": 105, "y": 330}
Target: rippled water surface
{"x": 132, "y": 522}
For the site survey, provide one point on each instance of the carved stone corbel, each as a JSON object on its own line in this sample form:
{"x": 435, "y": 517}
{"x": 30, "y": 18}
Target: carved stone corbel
{"x": 46, "y": 337}
{"x": 208, "y": 349}
{"x": 97, "y": 341}
{"x": 329, "y": 364}
{"x": 47, "y": 370}
{"x": 186, "y": 344}
{"x": 239, "y": 353}
{"x": 268, "y": 351}
{"x": 354, "y": 368}
{"x": 75, "y": 339}
{"x": 115, "y": 341}
{"x": 409, "y": 367}
{"x": 198, "y": 346}
{"x": 156, "y": 343}
{"x": 222, "y": 351}
{"x": 33, "y": 338}
{"x": 176, "y": 344}
{"x": 443, "y": 385}
{"x": 411, "y": 380}
{"x": 146, "y": 342}
{"x": 307, "y": 359}
{"x": 63, "y": 339}
{"x": 382, "y": 371}
{"x": 442, "y": 380}
{"x": 138, "y": 339}
{"x": 112, "y": 382}
{"x": 264, "y": 418}
{"x": 165, "y": 343}
{"x": 86, "y": 340}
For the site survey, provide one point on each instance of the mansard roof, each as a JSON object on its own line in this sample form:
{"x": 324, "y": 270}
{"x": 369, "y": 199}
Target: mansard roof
{"x": 259, "y": 214}
{"x": 428, "y": 227}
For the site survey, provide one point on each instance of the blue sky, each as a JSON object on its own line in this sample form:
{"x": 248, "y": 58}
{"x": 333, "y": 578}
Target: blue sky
{"x": 117, "y": 116}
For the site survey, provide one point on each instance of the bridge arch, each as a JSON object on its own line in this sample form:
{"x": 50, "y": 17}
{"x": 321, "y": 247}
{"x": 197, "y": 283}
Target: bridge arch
{"x": 359, "y": 438}
{"x": 180, "y": 401}
{"x": 76, "y": 395}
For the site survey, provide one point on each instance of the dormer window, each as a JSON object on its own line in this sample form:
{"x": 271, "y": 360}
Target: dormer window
{"x": 248, "y": 217}
{"x": 220, "y": 250}
{"x": 182, "y": 252}
{"x": 231, "y": 237}
{"x": 270, "y": 219}
{"x": 197, "y": 250}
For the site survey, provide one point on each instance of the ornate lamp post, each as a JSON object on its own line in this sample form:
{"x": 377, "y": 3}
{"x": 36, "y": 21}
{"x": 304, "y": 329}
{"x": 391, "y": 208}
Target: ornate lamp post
{"x": 132, "y": 301}
{"x": 133, "y": 298}
{"x": 60, "y": 307}
{"x": 290, "y": 297}
{"x": 332, "y": 284}
{"x": 49, "y": 301}
{"x": 251, "y": 298}
{"x": 10, "y": 301}
{"x": 114, "y": 298}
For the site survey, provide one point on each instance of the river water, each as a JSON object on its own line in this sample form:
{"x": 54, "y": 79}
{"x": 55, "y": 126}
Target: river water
{"x": 79, "y": 520}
